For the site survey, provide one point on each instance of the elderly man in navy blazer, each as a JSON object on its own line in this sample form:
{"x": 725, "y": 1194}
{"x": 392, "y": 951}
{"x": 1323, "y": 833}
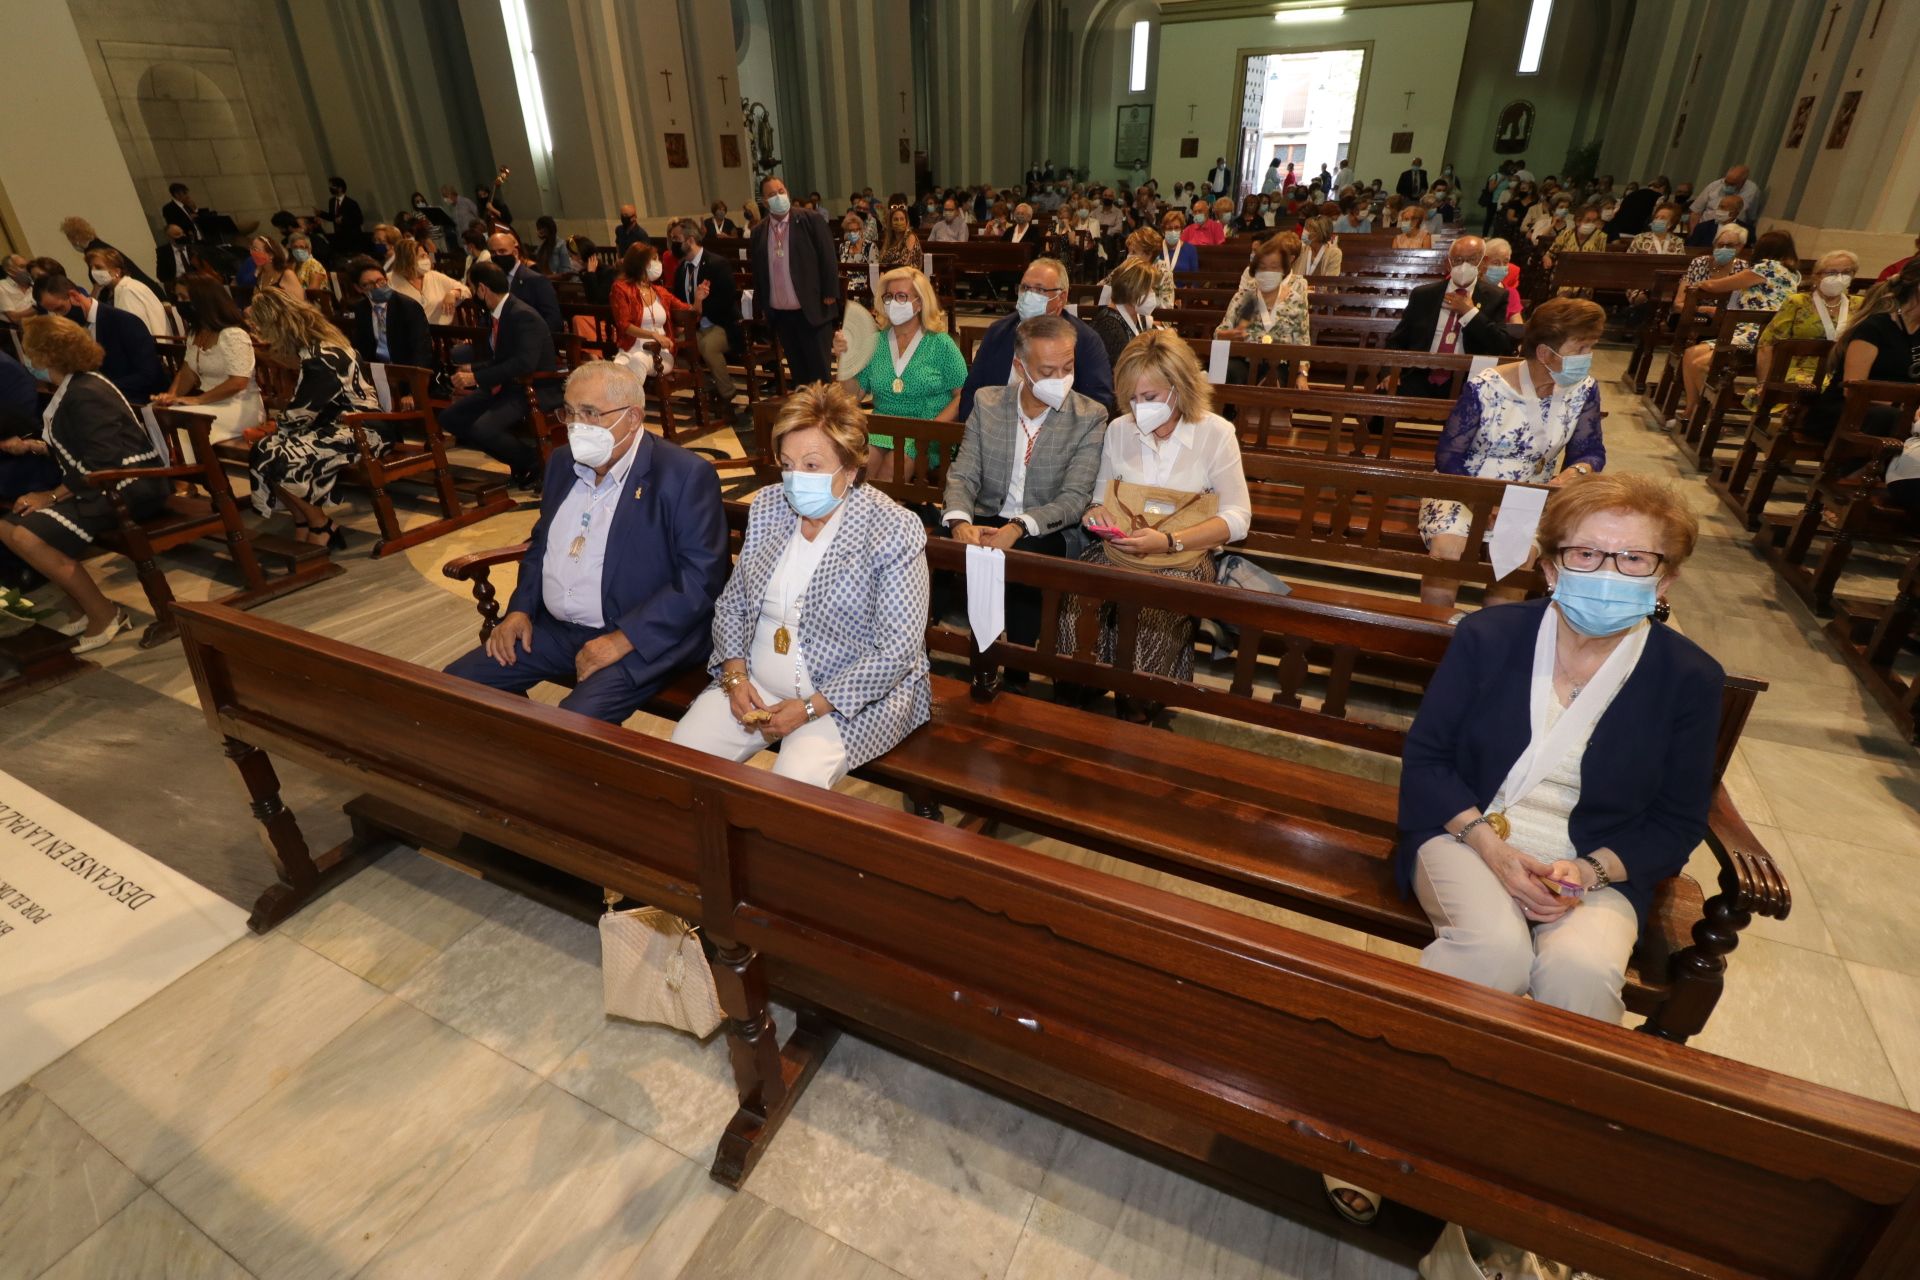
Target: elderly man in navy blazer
{"x": 617, "y": 586}
{"x": 1043, "y": 292}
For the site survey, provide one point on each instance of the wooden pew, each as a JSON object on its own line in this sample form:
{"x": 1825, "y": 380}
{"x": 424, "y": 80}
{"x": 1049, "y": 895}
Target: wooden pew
{"x": 1693, "y": 322}
{"x": 1871, "y": 635}
{"x": 1613, "y": 272}
{"x": 1772, "y": 444}
{"x": 35, "y": 658}
{"x": 1363, "y": 369}
{"x": 1400, "y": 429}
{"x": 1653, "y": 327}
{"x": 1720, "y": 392}
{"x": 200, "y": 507}
{"x": 1847, "y": 502}
{"x": 1233, "y": 1048}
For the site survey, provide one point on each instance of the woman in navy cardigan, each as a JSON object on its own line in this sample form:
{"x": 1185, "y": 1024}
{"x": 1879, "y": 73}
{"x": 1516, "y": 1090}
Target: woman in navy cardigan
{"x": 1561, "y": 764}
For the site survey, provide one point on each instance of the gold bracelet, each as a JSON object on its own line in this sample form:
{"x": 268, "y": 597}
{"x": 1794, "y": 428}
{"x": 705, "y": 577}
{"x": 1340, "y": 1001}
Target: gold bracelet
{"x": 730, "y": 679}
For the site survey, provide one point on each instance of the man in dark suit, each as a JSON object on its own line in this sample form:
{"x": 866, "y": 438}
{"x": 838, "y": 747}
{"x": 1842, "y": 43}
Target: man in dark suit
{"x": 706, "y": 284}
{"x": 132, "y": 362}
{"x": 629, "y": 232}
{"x": 525, "y": 283}
{"x": 796, "y": 281}
{"x": 388, "y": 327}
{"x": 617, "y": 586}
{"x": 84, "y": 239}
{"x": 1043, "y": 292}
{"x": 343, "y": 215}
{"x": 177, "y": 256}
{"x": 1413, "y": 182}
{"x": 1459, "y": 314}
{"x": 520, "y": 345}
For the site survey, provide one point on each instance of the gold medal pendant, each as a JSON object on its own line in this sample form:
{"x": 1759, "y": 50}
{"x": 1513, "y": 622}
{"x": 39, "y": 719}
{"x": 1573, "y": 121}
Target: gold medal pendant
{"x": 579, "y": 544}
{"x": 898, "y": 386}
{"x": 1267, "y": 338}
{"x": 782, "y": 641}
{"x": 1498, "y": 821}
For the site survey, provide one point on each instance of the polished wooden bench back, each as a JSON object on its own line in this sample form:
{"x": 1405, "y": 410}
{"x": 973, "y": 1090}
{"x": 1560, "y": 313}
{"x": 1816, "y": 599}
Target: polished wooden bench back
{"x": 1226, "y": 1044}
{"x": 1613, "y": 272}
{"x": 1364, "y": 369}
{"x": 1400, "y": 429}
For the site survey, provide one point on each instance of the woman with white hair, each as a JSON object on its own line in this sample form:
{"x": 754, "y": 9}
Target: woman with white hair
{"x": 1496, "y": 267}
{"x": 1820, "y": 311}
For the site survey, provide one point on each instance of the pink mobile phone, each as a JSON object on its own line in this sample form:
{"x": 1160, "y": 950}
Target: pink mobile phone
{"x": 1106, "y": 531}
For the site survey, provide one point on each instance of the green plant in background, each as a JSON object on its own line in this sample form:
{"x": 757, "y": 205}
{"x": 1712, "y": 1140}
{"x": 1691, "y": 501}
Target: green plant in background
{"x": 1582, "y": 163}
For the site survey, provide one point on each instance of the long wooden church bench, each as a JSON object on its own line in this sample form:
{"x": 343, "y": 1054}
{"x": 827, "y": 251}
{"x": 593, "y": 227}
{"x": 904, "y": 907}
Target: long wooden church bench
{"x": 1659, "y": 310}
{"x": 1730, "y": 368}
{"x": 1229, "y": 1047}
{"x": 1693, "y": 322}
{"x": 1872, "y": 635}
{"x": 1371, "y": 370}
{"x": 1403, "y": 430}
{"x": 1613, "y": 272}
{"x": 200, "y": 506}
{"x": 1297, "y": 667}
{"x": 34, "y": 658}
{"x": 1848, "y": 502}
{"x": 1772, "y": 445}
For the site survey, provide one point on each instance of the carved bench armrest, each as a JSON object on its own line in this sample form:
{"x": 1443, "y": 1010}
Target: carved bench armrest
{"x": 1748, "y": 872}
{"x": 477, "y": 571}
{"x": 106, "y": 480}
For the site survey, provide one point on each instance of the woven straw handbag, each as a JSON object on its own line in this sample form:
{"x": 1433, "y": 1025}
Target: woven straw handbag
{"x": 653, "y": 970}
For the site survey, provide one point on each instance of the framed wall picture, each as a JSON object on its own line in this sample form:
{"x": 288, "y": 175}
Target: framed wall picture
{"x": 906, "y": 152}
{"x": 729, "y": 151}
{"x": 1843, "y": 120}
{"x": 1514, "y": 129}
{"x": 1802, "y": 115}
{"x": 1189, "y": 148}
{"x": 1402, "y": 144}
{"x": 1133, "y": 136}
{"x": 677, "y": 151}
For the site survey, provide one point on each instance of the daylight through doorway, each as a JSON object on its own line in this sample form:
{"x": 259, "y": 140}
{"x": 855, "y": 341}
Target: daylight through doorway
{"x": 1299, "y": 108}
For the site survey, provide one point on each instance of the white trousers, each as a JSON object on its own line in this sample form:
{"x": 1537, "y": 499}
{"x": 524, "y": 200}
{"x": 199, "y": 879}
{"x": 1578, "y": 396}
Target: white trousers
{"x": 1578, "y": 962}
{"x": 812, "y": 753}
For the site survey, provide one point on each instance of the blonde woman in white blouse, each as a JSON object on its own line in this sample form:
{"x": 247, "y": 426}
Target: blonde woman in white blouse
{"x": 1168, "y": 438}
{"x": 414, "y": 276}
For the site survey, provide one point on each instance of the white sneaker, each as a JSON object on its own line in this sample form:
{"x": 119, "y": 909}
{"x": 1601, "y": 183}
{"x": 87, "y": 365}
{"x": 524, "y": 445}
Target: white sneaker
{"x": 88, "y": 643}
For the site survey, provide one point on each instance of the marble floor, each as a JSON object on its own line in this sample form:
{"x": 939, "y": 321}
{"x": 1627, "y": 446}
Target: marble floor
{"x": 412, "y": 1077}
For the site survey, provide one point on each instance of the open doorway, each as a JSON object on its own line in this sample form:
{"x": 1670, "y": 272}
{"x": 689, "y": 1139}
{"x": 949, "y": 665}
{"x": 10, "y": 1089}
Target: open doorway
{"x": 1302, "y": 108}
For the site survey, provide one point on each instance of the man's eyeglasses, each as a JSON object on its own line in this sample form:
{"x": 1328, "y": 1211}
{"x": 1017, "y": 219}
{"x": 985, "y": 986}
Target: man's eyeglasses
{"x": 1634, "y": 564}
{"x": 586, "y": 413}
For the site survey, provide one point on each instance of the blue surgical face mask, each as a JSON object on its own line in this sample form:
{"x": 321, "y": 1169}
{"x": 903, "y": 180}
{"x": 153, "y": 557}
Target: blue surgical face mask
{"x": 1604, "y": 603}
{"x": 1724, "y": 254}
{"x": 810, "y": 493}
{"x": 39, "y": 374}
{"x": 1497, "y": 273}
{"x": 1031, "y": 304}
{"x": 381, "y": 293}
{"x": 1573, "y": 369}
{"x": 1658, "y": 226}
{"x": 1173, "y": 237}
{"x": 301, "y": 255}
{"x": 778, "y": 205}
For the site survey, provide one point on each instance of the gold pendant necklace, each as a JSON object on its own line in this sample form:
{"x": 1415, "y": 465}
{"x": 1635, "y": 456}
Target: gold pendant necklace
{"x": 782, "y": 640}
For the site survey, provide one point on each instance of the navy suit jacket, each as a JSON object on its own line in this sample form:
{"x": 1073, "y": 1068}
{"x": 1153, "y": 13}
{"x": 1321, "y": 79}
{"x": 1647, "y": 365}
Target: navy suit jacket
{"x": 537, "y": 292}
{"x": 132, "y": 361}
{"x": 407, "y": 340}
{"x": 1646, "y": 780}
{"x": 993, "y": 362}
{"x": 666, "y": 554}
{"x": 525, "y": 348}
{"x": 723, "y": 295}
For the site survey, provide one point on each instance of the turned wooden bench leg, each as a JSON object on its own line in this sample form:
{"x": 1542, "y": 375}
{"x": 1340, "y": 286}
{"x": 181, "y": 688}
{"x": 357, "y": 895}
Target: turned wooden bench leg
{"x": 1698, "y": 973}
{"x": 768, "y": 1075}
{"x": 300, "y": 876}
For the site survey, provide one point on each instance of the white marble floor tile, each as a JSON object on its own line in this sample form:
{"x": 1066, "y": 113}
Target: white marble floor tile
{"x": 147, "y": 1240}
{"x": 314, "y": 1179}
{"x": 1797, "y": 1012}
{"x": 525, "y": 982}
{"x": 57, "y": 1185}
{"x": 752, "y": 1240}
{"x": 392, "y": 917}
{"x": 1869, "y": 897}
{"x": 1893, "y": 1003}
{"x": 931, "y": 1176}
{"x": 160, "y": 1080}
{"x": 1855, "y": 798}
{"x": 1805, "y": 925}
{"x": 671, "y": 1087}
{"x": 560, "y": 1189}
{"x": 1105, "y": 1214}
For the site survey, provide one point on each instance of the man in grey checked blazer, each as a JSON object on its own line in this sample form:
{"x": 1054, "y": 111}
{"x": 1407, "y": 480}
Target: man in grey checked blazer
{"x": 1026, "y": 468}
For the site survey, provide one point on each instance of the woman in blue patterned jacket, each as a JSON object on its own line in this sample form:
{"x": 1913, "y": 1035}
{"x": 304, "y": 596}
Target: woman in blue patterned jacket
{"x": 819, "y": 640}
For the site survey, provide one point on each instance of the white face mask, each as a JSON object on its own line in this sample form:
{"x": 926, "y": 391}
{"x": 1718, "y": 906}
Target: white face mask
{"x": 1268, "y": 281}
{"x": 898, "y": 312}
{"x": 1146, "y": 304}
{"x": 1464, "y": 273}
{"x": 101, "y": 277}
{"x": 1830, "y": 286}
{"x": 1051, "y": 392}
{"x": 1151, "y": 415}
{"x": 592, "y": 446}
{"x": 653, "y": 269}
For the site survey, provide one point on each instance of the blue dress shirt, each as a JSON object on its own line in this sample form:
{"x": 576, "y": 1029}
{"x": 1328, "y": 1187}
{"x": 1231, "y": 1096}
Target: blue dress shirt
{"x": 570, "y": 584}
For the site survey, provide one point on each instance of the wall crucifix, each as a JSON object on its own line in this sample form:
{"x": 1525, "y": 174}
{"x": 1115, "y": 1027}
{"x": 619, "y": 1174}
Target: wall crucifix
{"x": 668, "y": 77}
{"x": 723, "y": 86}
{"x": 1832, "y": 15}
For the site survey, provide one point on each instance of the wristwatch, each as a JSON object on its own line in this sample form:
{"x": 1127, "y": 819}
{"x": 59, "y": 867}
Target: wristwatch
{"x": 1584, "y": 468}
{"x": 813, "y": 712}
{"x": 1174, "y": 545}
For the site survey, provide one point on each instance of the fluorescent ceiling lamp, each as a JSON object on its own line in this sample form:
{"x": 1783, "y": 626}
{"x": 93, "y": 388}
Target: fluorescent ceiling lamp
{"x": 1137, "y": 75}
{"x": 1536, "y": 37}
{"x": 1327, "y": 13}
{"x": 526, "y": 74}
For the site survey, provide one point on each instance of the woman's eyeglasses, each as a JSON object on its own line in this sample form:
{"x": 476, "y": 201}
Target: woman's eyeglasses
{"x": 1634, "y": 564}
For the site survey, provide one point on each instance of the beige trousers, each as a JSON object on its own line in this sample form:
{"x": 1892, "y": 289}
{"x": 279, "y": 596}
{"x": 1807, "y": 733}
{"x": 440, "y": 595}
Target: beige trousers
{"x": 713, "y": 350}
{"x": 1578, "y": 962}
